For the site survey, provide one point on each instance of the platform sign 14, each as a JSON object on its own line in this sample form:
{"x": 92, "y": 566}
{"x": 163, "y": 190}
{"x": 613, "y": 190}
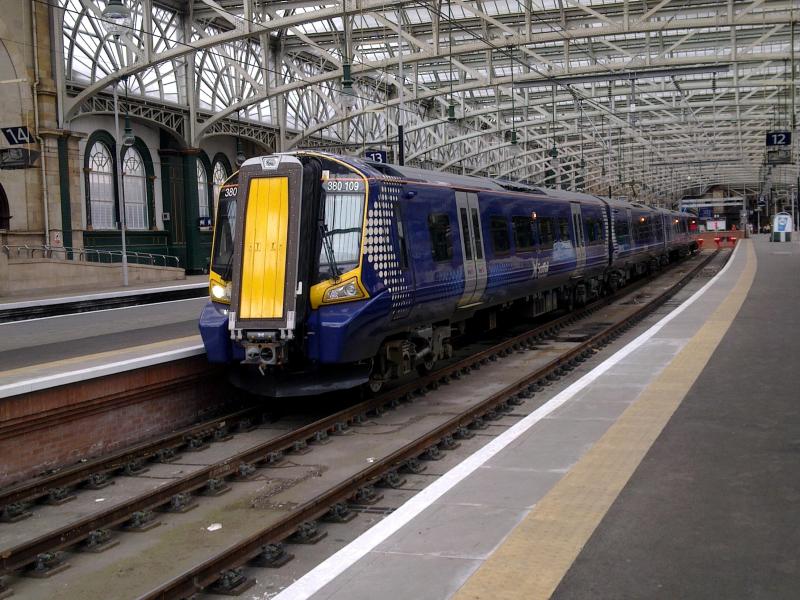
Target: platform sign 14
{"x": 380, "y": 156}
{"x": 779, "y": 138}
{"x": 17, "y": 135}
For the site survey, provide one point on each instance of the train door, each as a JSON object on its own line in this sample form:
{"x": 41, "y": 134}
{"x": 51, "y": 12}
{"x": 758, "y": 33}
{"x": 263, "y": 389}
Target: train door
{"x": 580, "y": 243}
{"x": 471, "y": 248}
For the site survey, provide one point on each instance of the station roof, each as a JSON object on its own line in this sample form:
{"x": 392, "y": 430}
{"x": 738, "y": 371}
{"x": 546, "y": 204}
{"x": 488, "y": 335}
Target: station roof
{"x": 644, "y": 99}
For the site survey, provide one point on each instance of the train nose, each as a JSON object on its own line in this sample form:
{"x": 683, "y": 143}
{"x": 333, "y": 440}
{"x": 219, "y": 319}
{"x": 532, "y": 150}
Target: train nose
{"x": 265, "y": 272}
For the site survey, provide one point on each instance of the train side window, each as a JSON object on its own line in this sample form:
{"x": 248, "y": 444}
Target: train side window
{"x": 622, "y": 230}
{"x": 594, "y": 231}
{"x": 523, "y": 233}
{"x": 658, "y": 228}
{"x": 476, "y": 229}
{"x": 401, "y": 236}
{"x": 465, "y": 232}
{"x": 588, "y": 225}
{"x": 546, "y": 233}
{"x": 563, "y": 229}
{"x": 441, "y": 238}
{"x": 498, "y": 229}
{"x": 642, "y": 229}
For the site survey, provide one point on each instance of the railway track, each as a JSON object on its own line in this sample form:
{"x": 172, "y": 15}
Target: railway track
{"x": 222, "y": 570}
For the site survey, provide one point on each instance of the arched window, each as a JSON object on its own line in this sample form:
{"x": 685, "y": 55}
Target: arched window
{"x": 101, "y": 186}
{"x": 219, "y": 176}
{"x": 134, "y": 180}
{"x": 202, "y": 189}
{"x": 5, "y": 213}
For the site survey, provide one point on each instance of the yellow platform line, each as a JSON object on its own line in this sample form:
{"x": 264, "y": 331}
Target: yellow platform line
{"x": 104, "y": 357}
{"x": 536, "y": 555}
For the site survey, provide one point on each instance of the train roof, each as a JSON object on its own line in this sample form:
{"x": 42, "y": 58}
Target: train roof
{"x": 444, "y": 178}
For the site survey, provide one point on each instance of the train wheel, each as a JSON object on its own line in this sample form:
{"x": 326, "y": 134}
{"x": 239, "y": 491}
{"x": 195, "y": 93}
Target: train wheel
{"x": 426, "y": 366}
{"x": 374, "y": 386}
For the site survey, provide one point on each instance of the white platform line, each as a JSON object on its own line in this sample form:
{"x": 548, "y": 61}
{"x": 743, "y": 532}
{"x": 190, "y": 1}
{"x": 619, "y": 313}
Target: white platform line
{"x": 101, "y": 296}
{"x": 56, "y": 379}
{"x": 337, "y": 564}
{"x": 89, "y": 314}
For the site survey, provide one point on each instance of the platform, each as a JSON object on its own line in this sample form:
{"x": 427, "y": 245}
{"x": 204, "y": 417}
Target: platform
{"x": 40, "y": 353}
{"x": 76, "y": 295}
{"x": 667, "y": 471}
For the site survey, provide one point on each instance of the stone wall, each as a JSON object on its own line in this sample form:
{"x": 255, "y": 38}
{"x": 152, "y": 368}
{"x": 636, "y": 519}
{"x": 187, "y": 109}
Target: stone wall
{"x": 33, "y": 275}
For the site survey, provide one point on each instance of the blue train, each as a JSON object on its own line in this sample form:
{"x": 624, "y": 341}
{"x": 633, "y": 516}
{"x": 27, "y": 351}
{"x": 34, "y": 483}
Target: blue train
{"x": 330, "y": 272}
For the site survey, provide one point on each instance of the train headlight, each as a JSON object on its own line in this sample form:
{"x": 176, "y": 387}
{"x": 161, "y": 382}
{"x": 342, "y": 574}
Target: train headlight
{"x": 221, "y": 293}
{"x": 347, "y": 290}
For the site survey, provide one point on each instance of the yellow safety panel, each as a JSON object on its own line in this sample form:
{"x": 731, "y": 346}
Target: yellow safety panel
{"x": 266, "y": 225}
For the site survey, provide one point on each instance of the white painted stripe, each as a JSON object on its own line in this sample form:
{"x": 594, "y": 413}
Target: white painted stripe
{"x": 101, "y": 296}
{"x": 334, "y": 566}
{"x": 56, "y": 379}
{"x": 90, "y": 313}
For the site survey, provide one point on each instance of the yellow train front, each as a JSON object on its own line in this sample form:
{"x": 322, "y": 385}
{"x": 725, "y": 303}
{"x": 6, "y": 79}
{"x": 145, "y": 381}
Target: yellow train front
{"x": 293, "y": 309}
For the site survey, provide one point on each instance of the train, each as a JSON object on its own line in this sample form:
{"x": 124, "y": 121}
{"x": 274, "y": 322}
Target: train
{"x": 331, "y": 272}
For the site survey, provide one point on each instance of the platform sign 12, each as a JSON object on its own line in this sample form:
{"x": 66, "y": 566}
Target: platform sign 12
{"x": 380, "y": 156}
{"x": 779, "y": 138}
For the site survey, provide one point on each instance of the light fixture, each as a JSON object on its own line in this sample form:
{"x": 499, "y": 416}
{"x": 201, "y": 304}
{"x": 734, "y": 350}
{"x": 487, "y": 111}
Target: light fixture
{"x": 347, "y": 96}
{"x": 451, "y": 112}
{"x": 516, "y": 149}
{"x": 117, "y": 18}
{"x": 128, "y": 139}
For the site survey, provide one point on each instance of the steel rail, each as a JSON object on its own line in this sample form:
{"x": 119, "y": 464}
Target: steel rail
{"x": 27, "y": 552}
{"x": 210, "y": 571}
{"x": 73, "y": 476}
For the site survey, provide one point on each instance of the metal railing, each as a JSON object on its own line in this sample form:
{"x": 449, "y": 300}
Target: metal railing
{"x": 95, "y": 255}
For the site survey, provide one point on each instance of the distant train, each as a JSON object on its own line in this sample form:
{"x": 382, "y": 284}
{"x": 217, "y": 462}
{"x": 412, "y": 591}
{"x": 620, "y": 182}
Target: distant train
{"x": 330, "y": 272}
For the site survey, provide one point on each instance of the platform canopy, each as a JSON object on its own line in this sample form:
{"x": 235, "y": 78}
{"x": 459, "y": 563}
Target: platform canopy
{"x": 637, "y": 98}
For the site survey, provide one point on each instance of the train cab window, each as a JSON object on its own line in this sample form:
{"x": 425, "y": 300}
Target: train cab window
{"x": 441, "y": 237}
{"x": 498, "y": 229}
{"x": 546, "y": 232}
{"x": 523, "y": 233}
{"x": 563, "y": 229}
{"x": 225, "y": 230}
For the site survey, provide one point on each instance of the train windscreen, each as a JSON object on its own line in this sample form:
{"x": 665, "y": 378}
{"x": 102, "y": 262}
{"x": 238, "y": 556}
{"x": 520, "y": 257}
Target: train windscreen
{"x": 344, "y": 197}
{"x": 222, "y": 259}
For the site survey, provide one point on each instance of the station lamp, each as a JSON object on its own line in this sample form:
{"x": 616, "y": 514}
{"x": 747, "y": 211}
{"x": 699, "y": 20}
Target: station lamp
{"x": 451, "y": 112}
{"x": 516, "y": 149}
{"x": 347, "y": 96}
{"x": 117, "y": 18}
{"x": 128, "y": 139}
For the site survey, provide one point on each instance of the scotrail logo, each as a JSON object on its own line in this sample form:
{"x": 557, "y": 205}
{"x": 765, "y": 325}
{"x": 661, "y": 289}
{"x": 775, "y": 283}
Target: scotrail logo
{"x": 540, "y": 268}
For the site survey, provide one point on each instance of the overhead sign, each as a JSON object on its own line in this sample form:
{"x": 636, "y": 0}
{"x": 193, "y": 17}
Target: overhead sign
{"x": 17, "y": 135}
{"x": 706, "y": 212}
{"x": 779, "y": 138}
{"x": 379, "y": 156}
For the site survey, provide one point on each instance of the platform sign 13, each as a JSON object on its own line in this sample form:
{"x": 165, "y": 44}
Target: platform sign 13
{"x": 779, "y": 138}
{"x": 379, "y": 156}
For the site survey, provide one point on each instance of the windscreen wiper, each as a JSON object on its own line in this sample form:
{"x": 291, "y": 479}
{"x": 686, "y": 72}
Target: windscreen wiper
{"x": 328, "y": 247}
